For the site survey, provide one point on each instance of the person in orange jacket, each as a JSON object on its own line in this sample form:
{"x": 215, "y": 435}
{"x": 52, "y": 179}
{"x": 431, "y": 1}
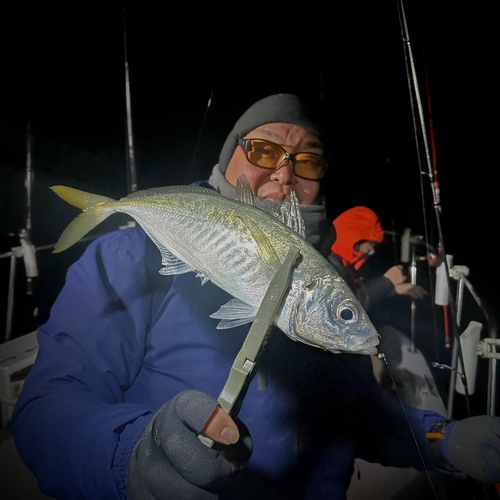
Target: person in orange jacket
{"x": 359, "y": 232}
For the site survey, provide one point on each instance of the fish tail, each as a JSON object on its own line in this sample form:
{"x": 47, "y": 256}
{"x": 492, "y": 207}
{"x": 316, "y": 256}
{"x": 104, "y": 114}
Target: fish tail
{"x": 96, "y": 208}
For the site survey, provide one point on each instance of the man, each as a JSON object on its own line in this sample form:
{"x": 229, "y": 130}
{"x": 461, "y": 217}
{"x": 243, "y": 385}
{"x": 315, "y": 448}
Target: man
{"x": 130, "y": 364}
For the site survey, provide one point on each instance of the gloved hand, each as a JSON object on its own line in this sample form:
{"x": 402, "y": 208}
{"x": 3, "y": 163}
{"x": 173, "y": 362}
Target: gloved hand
{"x": 396, "y": 275}
{"x": 473, "y": 447}
{"x": 398, "y": 278}
{"x": 412, "y": 291}
{"x": 170, "y": 462}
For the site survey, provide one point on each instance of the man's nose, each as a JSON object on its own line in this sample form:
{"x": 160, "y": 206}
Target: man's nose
{"x": 284, "y": 173}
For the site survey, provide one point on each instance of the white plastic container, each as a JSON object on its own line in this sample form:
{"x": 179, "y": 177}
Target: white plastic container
{"x": 15, "y": 357}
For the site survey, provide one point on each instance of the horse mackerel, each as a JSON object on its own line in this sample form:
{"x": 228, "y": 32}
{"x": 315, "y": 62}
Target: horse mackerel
{"x": 239, "y": 248}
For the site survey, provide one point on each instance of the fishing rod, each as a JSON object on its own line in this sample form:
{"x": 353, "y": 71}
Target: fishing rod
{"x": 200, "y": 133}
{"x": 459, "y": 274}
{"x": 488, "y": 349}
{"x": 26, "y": 250}
{"x": 130, "y": 156}
{"x": 421, "y": 131}
{"x": 28, "y": 247}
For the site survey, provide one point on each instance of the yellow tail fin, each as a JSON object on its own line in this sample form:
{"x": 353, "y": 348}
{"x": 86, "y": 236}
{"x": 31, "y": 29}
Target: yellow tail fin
{"x": 79, "y": 199}
{"x": 96, "y": 209}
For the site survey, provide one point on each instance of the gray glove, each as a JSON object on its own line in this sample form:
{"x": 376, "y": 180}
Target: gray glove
{"x": 169, "y": 461}
{"x": 474, "y": 447}
{"x": 415, "y": 292}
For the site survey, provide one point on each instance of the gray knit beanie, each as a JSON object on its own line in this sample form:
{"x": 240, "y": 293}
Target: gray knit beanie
{"x": 279, "y": 108}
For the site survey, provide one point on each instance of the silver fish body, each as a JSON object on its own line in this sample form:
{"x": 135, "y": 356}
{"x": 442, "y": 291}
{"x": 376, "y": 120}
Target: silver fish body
{"x": 239, "y": 248}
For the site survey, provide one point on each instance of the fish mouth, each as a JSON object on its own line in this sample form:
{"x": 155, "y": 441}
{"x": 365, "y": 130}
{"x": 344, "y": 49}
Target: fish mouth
{"x": 368, "y": 346}
{"x": 339, "y": 349}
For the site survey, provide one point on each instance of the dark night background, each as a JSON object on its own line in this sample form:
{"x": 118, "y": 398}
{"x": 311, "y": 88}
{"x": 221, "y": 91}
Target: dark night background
{"x": 63, "y": 73}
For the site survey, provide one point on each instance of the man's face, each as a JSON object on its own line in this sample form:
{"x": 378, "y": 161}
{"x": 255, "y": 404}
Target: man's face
{"x": 367, "y": 248}
{"x": 276, "y": 184}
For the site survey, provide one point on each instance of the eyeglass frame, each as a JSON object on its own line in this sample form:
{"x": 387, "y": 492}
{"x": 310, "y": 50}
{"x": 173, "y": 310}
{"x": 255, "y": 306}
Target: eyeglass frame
{"x": 243, "y": 142}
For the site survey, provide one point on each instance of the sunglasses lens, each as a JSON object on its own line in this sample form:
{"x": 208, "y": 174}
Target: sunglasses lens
{"x": 309, "y": 166}
{"x": 264, "y": 154}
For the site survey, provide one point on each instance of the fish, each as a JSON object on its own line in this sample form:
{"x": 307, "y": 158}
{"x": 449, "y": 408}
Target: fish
{"x": 239, "y": 248}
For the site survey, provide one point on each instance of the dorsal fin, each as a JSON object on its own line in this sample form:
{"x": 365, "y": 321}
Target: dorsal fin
{"x": 291, "y": 214}
{"x": 244, "y": 191}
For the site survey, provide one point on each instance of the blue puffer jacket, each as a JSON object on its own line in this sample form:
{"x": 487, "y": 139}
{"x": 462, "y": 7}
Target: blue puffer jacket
{"x": 122, "y": 340}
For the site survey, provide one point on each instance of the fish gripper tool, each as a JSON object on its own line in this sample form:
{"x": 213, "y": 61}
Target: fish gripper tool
{"x": 243, "y": 369}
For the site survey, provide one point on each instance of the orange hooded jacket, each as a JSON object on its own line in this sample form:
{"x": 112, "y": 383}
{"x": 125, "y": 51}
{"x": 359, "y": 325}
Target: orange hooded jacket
{"x": 353, "y": 226}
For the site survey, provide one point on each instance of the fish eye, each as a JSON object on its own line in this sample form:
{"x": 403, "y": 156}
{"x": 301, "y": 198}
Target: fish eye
{"x": 347, "y": 311}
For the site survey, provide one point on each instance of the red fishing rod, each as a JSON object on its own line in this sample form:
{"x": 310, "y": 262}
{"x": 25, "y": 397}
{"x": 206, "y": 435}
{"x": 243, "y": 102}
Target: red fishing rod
{"x": 442, "y": 301}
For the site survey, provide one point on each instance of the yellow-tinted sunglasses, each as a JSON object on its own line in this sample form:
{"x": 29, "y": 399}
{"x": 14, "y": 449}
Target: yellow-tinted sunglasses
{"x": 268, "y": 155}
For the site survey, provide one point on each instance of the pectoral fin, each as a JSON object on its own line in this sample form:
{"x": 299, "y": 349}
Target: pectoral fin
{"x": 234, "y": 313}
